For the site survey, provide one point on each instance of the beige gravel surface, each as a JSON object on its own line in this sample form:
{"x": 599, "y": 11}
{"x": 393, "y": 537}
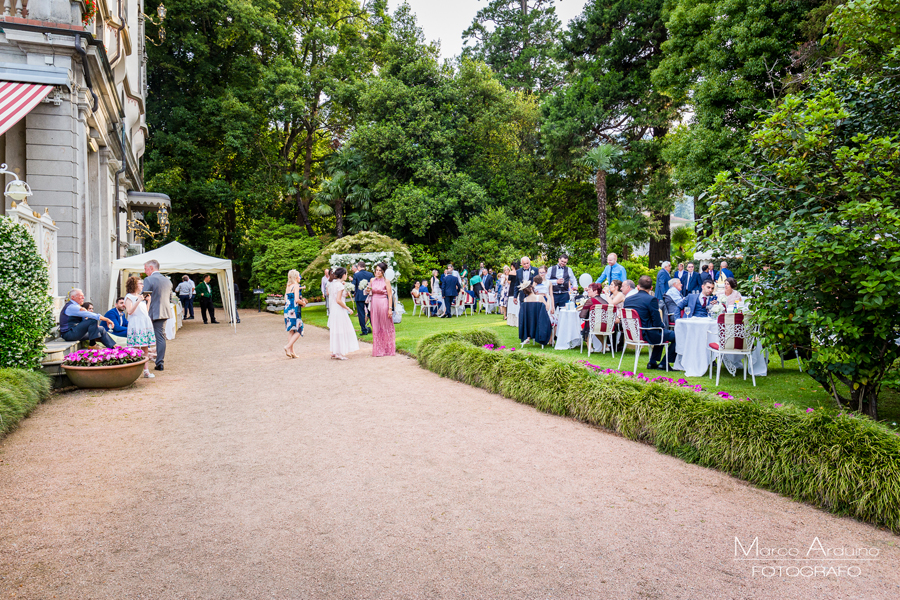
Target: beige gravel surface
{"x": 241, "y": 474}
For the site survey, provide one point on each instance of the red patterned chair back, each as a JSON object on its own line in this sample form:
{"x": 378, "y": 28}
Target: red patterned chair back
{"x": 631, "y": 325}
{"x": 733, "y": 335}
{"x": 603, "y": 319}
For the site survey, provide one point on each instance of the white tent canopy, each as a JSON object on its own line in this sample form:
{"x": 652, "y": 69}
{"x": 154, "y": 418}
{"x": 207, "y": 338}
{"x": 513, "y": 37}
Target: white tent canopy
{"x": 178, "y": 258}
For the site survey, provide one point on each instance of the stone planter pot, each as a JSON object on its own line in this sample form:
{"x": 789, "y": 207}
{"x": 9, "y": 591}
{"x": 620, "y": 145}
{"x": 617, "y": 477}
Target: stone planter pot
{"x": 115, "y": 376}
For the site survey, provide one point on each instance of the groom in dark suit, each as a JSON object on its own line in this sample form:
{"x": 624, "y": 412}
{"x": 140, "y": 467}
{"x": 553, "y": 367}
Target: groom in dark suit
{"x": 360, "y": 277}
{"x": 524, "y": 273}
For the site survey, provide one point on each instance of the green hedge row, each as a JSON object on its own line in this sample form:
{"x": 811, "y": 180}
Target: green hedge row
{"x": 20, "y": 392}
{"x": 847, "y": 465}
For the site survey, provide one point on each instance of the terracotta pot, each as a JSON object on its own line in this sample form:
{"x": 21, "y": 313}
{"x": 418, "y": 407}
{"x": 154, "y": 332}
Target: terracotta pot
{"x": 114, "y": 376}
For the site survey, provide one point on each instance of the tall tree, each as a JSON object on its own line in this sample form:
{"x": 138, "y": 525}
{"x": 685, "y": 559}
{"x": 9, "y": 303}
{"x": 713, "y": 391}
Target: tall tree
{"x": 610, "y": 52}
{"x": 517, "y": 38}
{"x": 600, "y": 160}
{"x": 309, "y": 91}
{"x": 209, "y": 142}
{"x": 726, "y": 59}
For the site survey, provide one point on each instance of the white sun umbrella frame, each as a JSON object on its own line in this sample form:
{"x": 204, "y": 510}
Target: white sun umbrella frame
{"x": 178, "y": 258}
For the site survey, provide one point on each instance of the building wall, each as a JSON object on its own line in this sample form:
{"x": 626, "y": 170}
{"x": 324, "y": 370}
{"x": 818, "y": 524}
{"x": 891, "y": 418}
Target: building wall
{"x": 67, "y": 151}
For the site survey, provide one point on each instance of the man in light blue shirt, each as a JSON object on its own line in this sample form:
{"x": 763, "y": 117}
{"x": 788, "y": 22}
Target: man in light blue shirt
{"x": 76, "y": 324}
{"x": 613, "y": 270}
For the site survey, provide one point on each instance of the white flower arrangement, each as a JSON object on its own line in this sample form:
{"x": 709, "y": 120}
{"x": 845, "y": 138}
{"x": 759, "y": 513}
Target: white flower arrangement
{"x": 370, "y": 258}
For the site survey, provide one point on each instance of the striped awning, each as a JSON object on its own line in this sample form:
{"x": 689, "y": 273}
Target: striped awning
{"x": 17, "y": 100}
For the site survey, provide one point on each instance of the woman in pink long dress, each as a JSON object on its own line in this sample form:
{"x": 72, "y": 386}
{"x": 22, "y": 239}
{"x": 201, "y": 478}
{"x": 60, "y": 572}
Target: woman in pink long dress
{"x": 382, "y": 314}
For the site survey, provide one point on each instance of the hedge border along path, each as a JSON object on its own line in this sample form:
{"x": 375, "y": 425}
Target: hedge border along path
{"x": 847, "y": 465}
{"x": 20, "y": 392}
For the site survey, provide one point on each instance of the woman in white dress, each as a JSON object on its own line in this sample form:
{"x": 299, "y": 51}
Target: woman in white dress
{"x": 343, "y": 336}
{"x": 140, "y": 327}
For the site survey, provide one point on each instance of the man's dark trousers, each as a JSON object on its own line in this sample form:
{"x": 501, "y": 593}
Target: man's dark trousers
{"x": 560, "y": 300}
{"x": 449, "y": 301}
{"x": 89, "y": 329}
{"x": 361, "y": 313}
{"x": 188, "y": 304}
{"x": 206, "y": 305}
{"x": 656, "y": 355}
{"x": 159, "y": 330}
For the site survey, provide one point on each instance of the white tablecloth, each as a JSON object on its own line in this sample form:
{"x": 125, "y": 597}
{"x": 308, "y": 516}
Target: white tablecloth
{"x": 692, "y": 339}
{"x": 512, "y": 313}
{"x": 171, "y": 323}
{"x": 568, "y": 331}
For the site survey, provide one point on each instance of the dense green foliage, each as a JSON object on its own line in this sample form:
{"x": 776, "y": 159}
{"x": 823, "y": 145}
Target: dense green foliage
{"x": 517, "y": 39}
{"x": 25, "y": 305}
{"x": 278, "y": 248}
{"x": 817, "y": 213}
{"x": 20, "y": 391}
{"x": 843, "y": 464}
{"x": 361, "y": 243}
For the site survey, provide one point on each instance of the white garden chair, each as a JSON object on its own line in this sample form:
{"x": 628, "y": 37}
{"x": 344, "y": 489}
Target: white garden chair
{"x": 601, "y": 324}
{"x": 734, "y": 338}
{"x": 634, "y": 336}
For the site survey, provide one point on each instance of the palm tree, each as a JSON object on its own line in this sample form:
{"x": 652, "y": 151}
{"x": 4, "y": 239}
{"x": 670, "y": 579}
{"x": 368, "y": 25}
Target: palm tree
{"x": 343, "y": 189}
{"x": 601, "y": 159}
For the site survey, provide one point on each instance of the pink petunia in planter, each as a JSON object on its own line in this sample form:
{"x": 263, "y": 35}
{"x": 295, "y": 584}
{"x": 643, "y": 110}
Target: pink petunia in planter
{"x": 104, "y": 367}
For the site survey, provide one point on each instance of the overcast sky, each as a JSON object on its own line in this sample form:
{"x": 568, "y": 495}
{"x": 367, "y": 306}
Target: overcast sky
{"x": 447, "y": 19}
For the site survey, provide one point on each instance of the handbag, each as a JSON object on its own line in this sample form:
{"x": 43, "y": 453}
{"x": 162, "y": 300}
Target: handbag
{"x": 302, "y": 301}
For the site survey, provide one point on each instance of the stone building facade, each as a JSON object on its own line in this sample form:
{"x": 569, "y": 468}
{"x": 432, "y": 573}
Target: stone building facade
{"x": 81, "y": 147}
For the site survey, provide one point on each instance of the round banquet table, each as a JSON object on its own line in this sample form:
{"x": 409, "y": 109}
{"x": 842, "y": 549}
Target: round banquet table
{"x": 692, "y": 339}
{"x": 568, "y": 331}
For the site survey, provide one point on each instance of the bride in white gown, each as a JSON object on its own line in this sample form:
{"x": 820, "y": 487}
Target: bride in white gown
{"x": 343, "y": 336}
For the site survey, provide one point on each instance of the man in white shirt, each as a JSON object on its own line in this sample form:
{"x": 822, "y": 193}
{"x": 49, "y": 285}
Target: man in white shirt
{"x": 628, "y": 288}
{"x": 185, "y": 292}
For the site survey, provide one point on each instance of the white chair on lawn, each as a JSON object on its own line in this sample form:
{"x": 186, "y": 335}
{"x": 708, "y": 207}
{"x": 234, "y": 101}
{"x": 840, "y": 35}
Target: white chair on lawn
{"x": 601, "y": 324}
{"x": 734, "y": 338}
{"x": 468, "y": 303}
{"x": 425, "y": 307}
{"x": 417, "y": 303}
{"x": 634, "y": 336}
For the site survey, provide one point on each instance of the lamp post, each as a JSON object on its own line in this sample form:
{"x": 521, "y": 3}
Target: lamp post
{"x": 161, "y": 13}
{"x": 16, "y": 190}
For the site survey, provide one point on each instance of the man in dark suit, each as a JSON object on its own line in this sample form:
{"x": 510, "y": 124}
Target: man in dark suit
{"x": 360, "y": 277}
{"x": 450, "y": 287}
{"x": 487, "y": 280}
{"x": 662, "y": 280}
{"x": 690, "y": 280}
{"x": 706, "y": 274}
{"x": 647, "y": 308}
{"x": 698, "y": 304}
{"x": 119, "y": 329}
{"x": 524, "y": 273}
{"x": 160, "y": 289}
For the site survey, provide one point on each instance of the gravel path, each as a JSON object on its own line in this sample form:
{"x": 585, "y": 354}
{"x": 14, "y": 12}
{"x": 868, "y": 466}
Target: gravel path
{"x": 241, "y": 474}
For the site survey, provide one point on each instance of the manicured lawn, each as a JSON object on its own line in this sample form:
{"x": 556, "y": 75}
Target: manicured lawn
{"x": 786, "y": 386}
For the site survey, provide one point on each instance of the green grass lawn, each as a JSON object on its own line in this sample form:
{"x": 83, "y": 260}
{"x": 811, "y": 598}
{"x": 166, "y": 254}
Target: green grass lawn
{"x": 786, "y": 386}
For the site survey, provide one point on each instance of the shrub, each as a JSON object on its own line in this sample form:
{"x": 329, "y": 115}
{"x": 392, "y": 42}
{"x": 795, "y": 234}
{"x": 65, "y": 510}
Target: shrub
{"x": 361, "y": 243}
{"x": 25, "y": 304}
{"x": 20, "y": 392}
{"x": 845, "y": 464}
{"x": 276, "y": 250}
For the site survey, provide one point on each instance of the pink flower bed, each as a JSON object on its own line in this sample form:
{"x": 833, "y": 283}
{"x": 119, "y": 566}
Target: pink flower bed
{"x": 660, "y": 379}
{"x": 104, "y": 357}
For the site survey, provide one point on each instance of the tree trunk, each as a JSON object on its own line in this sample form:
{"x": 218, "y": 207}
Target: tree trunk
{"x": 303, "y": 214}
{"x": 339, "y": 216}
{"x": 865, "y": 400}
{"x": 230, "y": 227}
{"x": 600, "y": 185}
{"x": 661, "y": 246}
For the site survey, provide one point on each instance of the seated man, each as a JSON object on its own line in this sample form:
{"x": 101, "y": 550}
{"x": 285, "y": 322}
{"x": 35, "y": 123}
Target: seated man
{"x": 76, "y": 324}
{"x": 647, "y": 308}
{"x": 117, "y": 315}
{"x": 674, "y": 300}
{"x": 698, "y": 304}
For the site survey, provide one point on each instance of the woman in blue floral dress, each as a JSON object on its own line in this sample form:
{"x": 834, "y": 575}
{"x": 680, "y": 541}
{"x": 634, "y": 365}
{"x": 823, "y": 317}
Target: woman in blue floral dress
{"x": 292, "y": 321}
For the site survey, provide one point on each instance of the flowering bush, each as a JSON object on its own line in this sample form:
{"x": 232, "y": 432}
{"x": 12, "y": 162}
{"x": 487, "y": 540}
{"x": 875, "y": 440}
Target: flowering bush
{"x": 495, "y": 347}
{"x": 104, "y": 357}
{"x": 25, "y": 304}
{"x": 661, "y": 379}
